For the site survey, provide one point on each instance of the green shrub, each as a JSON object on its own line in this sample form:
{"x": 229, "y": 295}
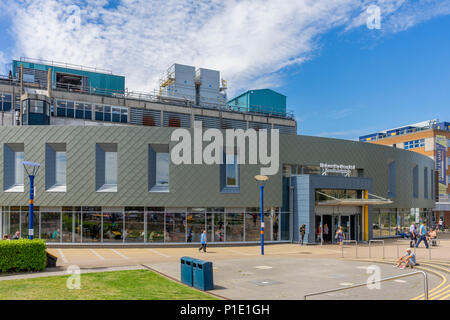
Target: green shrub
{"x": 22, "y": 255}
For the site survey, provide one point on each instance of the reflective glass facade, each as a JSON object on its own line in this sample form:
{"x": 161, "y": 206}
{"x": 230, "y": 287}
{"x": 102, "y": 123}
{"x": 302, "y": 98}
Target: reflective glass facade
{"x": 136, "y": 225}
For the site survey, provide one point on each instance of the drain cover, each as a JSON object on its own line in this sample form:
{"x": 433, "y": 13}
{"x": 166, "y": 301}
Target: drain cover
{"x": 265, "y": 282}
{"x": 263, "y": 267}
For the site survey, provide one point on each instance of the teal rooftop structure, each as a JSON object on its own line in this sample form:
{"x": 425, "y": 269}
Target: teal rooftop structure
{"x": 264, "y": 101}
{"x": 70, "y": 77}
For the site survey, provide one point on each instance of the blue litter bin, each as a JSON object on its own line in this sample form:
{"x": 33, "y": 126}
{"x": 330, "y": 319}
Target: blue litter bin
{"x": 203, "y": 274}
{"x": 186, "y": 270}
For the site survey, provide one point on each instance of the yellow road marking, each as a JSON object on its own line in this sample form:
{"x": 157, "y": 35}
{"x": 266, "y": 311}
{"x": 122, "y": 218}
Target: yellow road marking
{"x": 445, "y": 298}
{"x": 442, "y": 292}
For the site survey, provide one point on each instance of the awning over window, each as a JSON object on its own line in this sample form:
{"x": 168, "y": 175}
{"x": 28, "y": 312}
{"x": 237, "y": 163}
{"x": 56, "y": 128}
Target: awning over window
{"x": 375, "y": 200}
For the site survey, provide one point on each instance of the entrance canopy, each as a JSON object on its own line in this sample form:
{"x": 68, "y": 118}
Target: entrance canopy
{"x": 375, "y": 200}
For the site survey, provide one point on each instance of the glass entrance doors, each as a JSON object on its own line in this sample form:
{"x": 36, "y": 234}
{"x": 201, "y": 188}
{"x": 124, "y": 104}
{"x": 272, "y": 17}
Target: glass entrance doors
{"x": 326, "y": 226}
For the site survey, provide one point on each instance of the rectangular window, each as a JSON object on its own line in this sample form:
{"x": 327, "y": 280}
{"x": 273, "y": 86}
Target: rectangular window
{"x": 70, "y": 109}
{"x": 425, "y": 183}
{"x": 111, "y": 168}
{"x": 232, "y": 170}
{"x": 61, "y": 164}
{"x": 106, "y": 167}
{"x": 88, "y": 111}
{"x": 392, "y": 177}
{"x": 61, "y": 108}
{"x": 55, "y": 167}
{"x": 158, "y": 168}
{"x": 162, "y": 169}
{"x": 13, "y": 171}
{"x": 5, "y": 102}
{"x": 18, "y": 168}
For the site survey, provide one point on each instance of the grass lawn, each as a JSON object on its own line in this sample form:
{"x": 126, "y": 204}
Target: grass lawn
{"x": 116, "y": 285}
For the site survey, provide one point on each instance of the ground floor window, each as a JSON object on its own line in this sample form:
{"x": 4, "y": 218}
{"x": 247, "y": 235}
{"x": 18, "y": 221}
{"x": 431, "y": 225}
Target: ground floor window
{"x": 142, "y": 224}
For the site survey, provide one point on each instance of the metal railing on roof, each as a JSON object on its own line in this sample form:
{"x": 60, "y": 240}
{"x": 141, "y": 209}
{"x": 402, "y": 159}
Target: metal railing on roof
{"x": 156, "y": 98}
{"x": 52, "y": 63}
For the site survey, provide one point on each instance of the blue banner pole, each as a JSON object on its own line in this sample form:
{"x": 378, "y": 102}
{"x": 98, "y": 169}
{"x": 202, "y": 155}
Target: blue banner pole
{"x": 262, "y": 219}
{"x": 31, "y": 211}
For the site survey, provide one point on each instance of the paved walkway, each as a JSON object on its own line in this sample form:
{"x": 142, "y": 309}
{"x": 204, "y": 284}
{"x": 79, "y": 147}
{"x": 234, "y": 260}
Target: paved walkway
{"x": 286, "y": 271}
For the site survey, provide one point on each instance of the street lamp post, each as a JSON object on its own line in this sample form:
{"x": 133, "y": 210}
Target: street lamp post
{"x": 261, "y": 180}
{"x": 33, "y": 168}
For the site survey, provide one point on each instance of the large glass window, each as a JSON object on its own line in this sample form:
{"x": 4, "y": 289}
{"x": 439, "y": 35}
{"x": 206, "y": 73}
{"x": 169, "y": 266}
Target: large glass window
{"x": 79, "y": 110}
{"x": 112, "y": 226}
{"x": 393, "y": 223}
{"x": 232, "y": 170}
{"x": 155, "y": 224}
{"x": 376, "y": 227}
{"x": 107, "y": 113}
{"x": 70, "y": 109}
{"x": 61, "y": 164}
{"x": 18, "y": 168}
{"x": 92, "y": 224}
{"x": 175, "y": 227}
{"x": 11, "y": 220}
{"x": 134, "y": 224}
{"x": 234, "y": 226}
{"x": 385, "y": 223}
{"x": 5, "y": 102}
{"x": 88, "y": 111}
{"x": 61, "y": 108}
{"x": 276, "y": 225}
{"x": 115, "y": 114}
{"x": 124, "y": 115}
{"x": 51, "y": 226}
{"x": 195, "y": 224}
{"x": 268, "y": 223}
{"x": 219, "y": 225}
{"x": 162, "y": 168}
{"x": 71, "y": 224}
{"x": 25, "y": 222}
{"x": 98, "y": 112}
{"x": 111, "y": 168}
{"x": 252, "y": 224}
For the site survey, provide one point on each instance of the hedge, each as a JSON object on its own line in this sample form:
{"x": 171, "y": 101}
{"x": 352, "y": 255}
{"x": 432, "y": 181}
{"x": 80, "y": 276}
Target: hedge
{"x": 22, "y": 255}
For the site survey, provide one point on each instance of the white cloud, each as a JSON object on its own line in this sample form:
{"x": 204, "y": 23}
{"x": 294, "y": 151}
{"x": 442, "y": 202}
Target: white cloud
{"x": 250, "y": 42}
{"x": 3, "y": 63}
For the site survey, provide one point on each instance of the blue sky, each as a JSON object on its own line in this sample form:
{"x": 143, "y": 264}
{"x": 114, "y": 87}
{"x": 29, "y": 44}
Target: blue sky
{"x": 359, "y": 83}
{"x": 342, "y": 79}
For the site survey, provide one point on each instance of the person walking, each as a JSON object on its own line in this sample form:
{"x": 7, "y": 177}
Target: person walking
{"x": 423, "y": 235}
{"x": 302, "y": 231}
{"x": 441, "y": 224}
{"x": 413, "y": 232}
{"x": 203, "y": 242}
{"x": 325, "y": 232}
{"x": 340, "y": 236}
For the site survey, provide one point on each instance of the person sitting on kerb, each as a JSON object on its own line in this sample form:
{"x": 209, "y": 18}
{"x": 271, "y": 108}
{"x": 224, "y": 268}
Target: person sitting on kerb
{"x": 408, "y": 259}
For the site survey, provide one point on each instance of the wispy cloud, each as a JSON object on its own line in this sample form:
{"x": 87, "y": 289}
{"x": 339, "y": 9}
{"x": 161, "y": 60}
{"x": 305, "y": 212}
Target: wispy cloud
{"x": 251, "y": 42}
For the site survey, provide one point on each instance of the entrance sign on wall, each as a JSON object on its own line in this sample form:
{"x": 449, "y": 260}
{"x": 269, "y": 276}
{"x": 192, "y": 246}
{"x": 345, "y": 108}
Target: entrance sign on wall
{"x": 345, "y": 170}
